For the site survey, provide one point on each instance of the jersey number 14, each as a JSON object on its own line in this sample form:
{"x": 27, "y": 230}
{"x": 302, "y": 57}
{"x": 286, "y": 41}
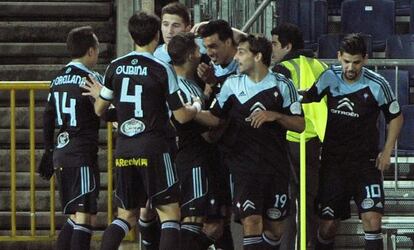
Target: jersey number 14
{"x": 61, "y": 108}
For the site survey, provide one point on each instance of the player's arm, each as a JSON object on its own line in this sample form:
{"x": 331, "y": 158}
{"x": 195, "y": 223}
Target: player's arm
{"x": 291, "y": 122}
{"x": 394, "y": 128}
{"x": 187, "y": 111}
{"x": 392, "y": 113}
{"x": 319, "y": 89}
{"x": 45, "y": 168}
{"x": 218, "y": 108}
{"x": 101, "y": 94}
{"x": 290, "y": 117}
{"x": 206, "y": 118}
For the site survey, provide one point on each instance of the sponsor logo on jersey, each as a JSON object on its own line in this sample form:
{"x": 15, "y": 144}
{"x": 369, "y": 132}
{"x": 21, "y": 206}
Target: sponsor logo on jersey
{"x": 131, "y": 70}
{"x": 68, "y": 70}
{"x": 379, "y": 205}
{"x": 131, "y": 162}
{"x": 255, "y": 108}
{"x": 394, "y": 107}
{"x": 367, "y": 203}
{"x": 242, "y": 93}
{"x": 62, "y": 139}
{"x": 248, "y": 204}
{"x": 132, "y": 127}
{"x": 328, "y": 211}
{"x": 273, "y": 213}
{"x": 345, "y": 107}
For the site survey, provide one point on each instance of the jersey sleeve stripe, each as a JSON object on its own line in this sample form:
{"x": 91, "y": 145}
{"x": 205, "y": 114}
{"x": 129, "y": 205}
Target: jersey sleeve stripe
{"x": 384, "y": 86}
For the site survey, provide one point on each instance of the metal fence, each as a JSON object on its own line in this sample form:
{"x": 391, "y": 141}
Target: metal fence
{"x": 32, "y": 87}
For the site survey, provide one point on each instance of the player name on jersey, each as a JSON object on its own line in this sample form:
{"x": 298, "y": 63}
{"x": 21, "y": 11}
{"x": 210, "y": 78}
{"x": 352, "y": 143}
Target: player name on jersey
{"x": 68, "y": 79}
{"x": 132, "y": 70}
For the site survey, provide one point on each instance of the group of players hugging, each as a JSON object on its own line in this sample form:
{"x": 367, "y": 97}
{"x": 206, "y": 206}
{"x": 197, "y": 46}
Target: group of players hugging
{"x": 208, "y": 127}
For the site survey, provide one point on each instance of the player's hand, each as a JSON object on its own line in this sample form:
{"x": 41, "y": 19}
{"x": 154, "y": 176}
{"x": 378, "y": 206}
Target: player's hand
{"x": 257, "y": 118}
{"x": 45, "y": 168}
{"x": 383, "y": 161}
{"x": 206, "y": 73}
{"x": 92, "y": 86}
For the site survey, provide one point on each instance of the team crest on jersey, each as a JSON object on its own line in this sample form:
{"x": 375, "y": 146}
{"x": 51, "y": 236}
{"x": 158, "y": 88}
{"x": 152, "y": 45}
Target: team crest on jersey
{"x": 68, "y": 70}
{"x": 276, "y": 94}
{"x": 394, "y": 107}
{"x": 132, "y": 127}
{"x": 295, "y": 108}
{"x": 134, "y": 61}
{"x": 62, "y": 139}
{"x": 367, "y": 203}
{"x": 273, "y": 213}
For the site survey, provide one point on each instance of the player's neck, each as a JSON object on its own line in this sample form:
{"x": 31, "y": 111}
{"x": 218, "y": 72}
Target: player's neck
{"x": 258, "y": 74}
{"x": 149, "y": 48}
{"x": 83, "y": 61}
{"x": 229, "y": 59}
{"x": 184, "y": 71}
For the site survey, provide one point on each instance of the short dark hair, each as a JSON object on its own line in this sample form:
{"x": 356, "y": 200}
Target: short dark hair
{"x": 179, "y": 9}
{"x": 79, "y": 40}
{"x": 220, "y": 27}
{"x": 180, "y": 46}
{"x": 259, "y": 44}
{"x": 143, "y": 27}
{"x": 353, "y": 44}
{"x": 289, "y": 33}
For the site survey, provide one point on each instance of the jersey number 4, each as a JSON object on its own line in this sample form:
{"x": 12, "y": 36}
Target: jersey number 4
{"x": 61, "y": 108}
{"x": 135, "y": 98}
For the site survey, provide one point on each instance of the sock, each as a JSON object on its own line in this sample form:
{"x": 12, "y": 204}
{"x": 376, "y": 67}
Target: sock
{"x": 373, "y": 240}
{"x": 114, "y": 233}
{"x": 270, "y": 244}
{"x": 192, "y": 237}
{"x": 150, "y": 233}
{"x": 322, "y": 244}
{"x": 81, "y": 237}
{"x": 65, "y": 235}
{"x": 226, "y": 240}
{"x": 170, "y": 235}
{"x": 253, "y": 242}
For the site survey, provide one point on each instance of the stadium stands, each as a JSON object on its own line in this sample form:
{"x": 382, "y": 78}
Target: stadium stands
{"x": 402, "y": 47}
{"x": 402, "y": 7}
{"x": 374, "y": 17}
{"x": 406, "y": 140}
{"x": 311, "y": 16}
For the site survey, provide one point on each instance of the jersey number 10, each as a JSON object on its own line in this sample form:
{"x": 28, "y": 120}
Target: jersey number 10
{"x": 135, "y": 98}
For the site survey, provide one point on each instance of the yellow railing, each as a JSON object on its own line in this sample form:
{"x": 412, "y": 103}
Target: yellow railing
{"x": 33, "y": 86}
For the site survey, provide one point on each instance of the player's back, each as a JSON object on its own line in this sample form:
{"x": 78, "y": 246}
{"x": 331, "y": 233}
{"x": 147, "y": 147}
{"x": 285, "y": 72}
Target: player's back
{"x": 140, "y": 85}
{"x": 191, "y": 144}
{"x": 74, "y": 112}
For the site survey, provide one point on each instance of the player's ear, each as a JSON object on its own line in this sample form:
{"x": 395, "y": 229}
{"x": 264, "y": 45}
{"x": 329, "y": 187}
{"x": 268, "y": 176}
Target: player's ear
{"x": 288, "y": 47}
{"x": 258, "y": 57}
{"x": 90, "y": 51}
{"x": 188, "y": 28}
